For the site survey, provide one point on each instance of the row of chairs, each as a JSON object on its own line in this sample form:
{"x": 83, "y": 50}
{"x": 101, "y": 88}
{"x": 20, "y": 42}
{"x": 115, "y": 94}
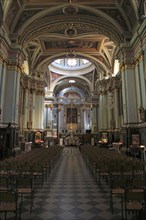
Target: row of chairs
{"x": 19, "y": 177}
{"x": 104, "y": 163}
{"x": 125, "y": 177}
{"x": 11, "y": 199}
{"x": 9, "y": 203}
{"x": 132, "y": 193}
{"x": 37, "y": 163}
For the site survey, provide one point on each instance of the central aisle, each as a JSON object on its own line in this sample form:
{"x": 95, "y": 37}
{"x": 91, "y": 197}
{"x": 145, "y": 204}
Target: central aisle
{"x": 71, "y": 193}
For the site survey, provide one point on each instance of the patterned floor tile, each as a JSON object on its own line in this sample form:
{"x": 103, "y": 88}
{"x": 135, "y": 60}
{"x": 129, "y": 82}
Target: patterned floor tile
{"x": 71, "y": 193}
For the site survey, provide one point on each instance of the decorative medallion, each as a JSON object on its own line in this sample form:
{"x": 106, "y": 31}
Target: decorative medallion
{"x": 70, "y": 10}
{"x": 70, "y": 32}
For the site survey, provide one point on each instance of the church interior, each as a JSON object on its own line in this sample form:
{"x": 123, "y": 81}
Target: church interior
{"x": 73, "y": 92}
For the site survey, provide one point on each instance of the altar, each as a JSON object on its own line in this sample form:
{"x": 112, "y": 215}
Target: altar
{"x": 71, "y": 140}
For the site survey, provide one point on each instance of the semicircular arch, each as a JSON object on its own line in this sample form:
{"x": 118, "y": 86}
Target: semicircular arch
{"x": 92, "y": 59}
{"x": 100, "y": 22}
{"x": 54, "y": 84}
{"x": 95, "y": 12}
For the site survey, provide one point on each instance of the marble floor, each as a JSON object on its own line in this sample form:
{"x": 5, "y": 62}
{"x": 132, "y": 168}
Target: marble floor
{"x": 70, "y": 193}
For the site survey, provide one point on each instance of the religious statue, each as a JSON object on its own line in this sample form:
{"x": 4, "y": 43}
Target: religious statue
{"x": 141, "y": 112}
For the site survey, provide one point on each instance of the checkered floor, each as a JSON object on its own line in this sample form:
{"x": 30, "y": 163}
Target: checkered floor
{"x": 70, "y": 193}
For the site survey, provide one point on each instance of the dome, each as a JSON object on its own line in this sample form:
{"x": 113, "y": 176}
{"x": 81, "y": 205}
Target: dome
{"x": 76, "y": 65}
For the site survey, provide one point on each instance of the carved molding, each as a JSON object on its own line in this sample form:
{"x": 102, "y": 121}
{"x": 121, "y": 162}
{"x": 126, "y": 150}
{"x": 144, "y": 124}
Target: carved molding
{"x": 129, "y": 66}
{"x": 108, "y": 85}
{"x": 139, "y": 58}
{"x": 80, "y": 24}
{"x": 40, "y": 92}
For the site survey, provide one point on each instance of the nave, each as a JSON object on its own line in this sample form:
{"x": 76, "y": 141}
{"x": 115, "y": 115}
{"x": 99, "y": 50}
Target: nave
{"x": 70, "y": 193}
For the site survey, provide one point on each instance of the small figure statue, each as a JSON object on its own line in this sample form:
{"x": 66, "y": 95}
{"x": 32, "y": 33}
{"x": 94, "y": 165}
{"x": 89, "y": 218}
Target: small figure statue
{"x": 141, "y": 112}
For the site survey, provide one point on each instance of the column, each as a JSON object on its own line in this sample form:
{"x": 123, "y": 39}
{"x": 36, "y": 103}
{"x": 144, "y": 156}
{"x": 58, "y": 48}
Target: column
{"x": 79, "y": 120}
{"x": 55, "y": 117}
{"x": 12, "y": 84}
{"x": 38, "y": 101}
{"x": 26, "y": 108}
{"x": 94, "y": 121}
{"x": 142, "y": 81}
{"x": 110, "y": 109}
{"x": 50, "y": 118}
{"x": 63, "y": 118}
{"x": 144, "y": 62}
{"x": 116, "y": 109}
{"x": 60, "y": 118}
{"x": 87, "y": 119}
{"x": 51, "y": 115}
{"x": 129, "y": 91}
{"x": 103, "y": 116}
{"x": 30, "y": 106}
{"x": 45, "y": 116}
{"x": 2, "y": 87}
{"x": 82, "y": 110}
{"x": 140, "y": 86}
{"x": 125, "y": 117}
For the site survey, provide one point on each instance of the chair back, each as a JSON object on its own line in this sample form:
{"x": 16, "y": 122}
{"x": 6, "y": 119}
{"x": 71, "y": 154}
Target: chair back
{"x": 118, "y": 182}
{"x": 142, "y": 214}
{"x": 4, "y": 183}
{"x": 8, "y": 196}
{"x": 23, "y": 182}
{"x": 139, "y": 183}
{"x": 135, "y": 196}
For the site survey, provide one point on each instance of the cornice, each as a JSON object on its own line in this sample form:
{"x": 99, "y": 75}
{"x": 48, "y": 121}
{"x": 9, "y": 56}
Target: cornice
{"x": 40, "y": 92}
{"x": 109, "y": 85}
{"x": 129, "y": 66}
{"x": 139, "y": 58}
{"x": 32, "y": 84}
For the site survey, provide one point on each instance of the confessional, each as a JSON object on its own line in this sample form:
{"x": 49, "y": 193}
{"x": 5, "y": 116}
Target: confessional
{"x": 9, "y": 141}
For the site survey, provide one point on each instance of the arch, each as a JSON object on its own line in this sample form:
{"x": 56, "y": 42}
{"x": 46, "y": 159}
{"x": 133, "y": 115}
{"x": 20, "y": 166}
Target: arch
{"x": 77, "y": 90}
{"x": 89, "y": 57}
{"x": 75, "y": 72}
{"x": 65, "y": 77}
{"x": 96, "y": 12}
{"x": 102, "y": 23}
{"x": 6, "y": 7}
{"x": 86, "y": 26}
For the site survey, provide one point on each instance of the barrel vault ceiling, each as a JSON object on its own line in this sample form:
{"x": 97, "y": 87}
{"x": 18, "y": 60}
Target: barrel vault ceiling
{"x": 54, "y": 29}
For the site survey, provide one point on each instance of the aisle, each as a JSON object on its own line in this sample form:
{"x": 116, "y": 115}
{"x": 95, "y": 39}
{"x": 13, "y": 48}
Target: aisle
{"x": 71, "y": 193}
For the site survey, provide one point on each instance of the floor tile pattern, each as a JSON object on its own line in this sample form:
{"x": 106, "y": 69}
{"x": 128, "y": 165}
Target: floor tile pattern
{"x": 70, "y": 193}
